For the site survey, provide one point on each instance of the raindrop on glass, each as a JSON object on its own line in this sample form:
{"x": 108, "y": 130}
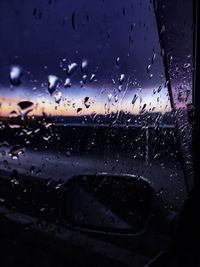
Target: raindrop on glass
{"x": 14, "y": 181}
{"x": 143, "y": 108}
{"x": 57, "y": 96}
{"x": 109, "y": 97}
{"x": 25, "y": 104}
{"x": 52, "y": 83}
{"x": 92, "y": 77}
{"x": 84, "y": 65}
{"x": 118, "y": 61}
{"x": 46, "y": 138}
{"x": 148, "y": 67}
{"x": 71, "y": 68}
{"x": 84, "y": 78}
{"x": 186, "y": 65}
{"x": 13, "y": 114}
{"x": 15, "y": 75}
{"x": 87, "y": 102}
{"x": 16, "y": 151}
{"x": 134, "y": 99}
{"x": 159, "y": 88}
{"x": 121, "y": 79}
{"x": 78, "y": 110}
{"x": 67, "y": 83}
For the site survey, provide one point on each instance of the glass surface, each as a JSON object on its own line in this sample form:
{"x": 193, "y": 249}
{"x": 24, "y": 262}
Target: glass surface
{"x": 108, "y": 203}
{"x": 83, "y": 90}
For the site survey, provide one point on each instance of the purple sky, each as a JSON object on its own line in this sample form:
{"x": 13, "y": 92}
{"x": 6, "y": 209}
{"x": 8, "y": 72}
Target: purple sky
{"x": 38, "y": 35}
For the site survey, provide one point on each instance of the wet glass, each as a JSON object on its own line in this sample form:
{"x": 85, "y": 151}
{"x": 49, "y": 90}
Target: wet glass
{"x": 83, "y": 89}
{"x": 176, "y": 37}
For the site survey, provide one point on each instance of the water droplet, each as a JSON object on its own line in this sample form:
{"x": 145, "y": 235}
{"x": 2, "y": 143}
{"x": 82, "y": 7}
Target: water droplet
{"x": 84, "y": 78}
{"x": 92, "y": 77}
{"x": 119, "y": 88}
{"x": 71, "y": 68}
{"x": 153, "y": 58}
{"x": 15, "y": 75}
{"x": 121, "y": 79}
{"x": 78, "y": 110}
{"x": 186, "y": 65}
{"x": 159, "y": 88}
{"x": 16, "y": 151}
{"x": 24, "y": 113}
{"x": 113, "y": 81}
{"x": 134, "y": 99}
{"x": 109, "y": 97}
{"x": 25, "y": 104}
{"x": 25, "y": 108}
{"x": 14, "y": 181}
{"x": 15, "y": 177}
{"x": 52, "y": 83}
{"x": 47, "y": 125}
{"x": 13, "y": 114}
{"x": 67, "y": 83}
{"x": 143, "y": 108}
{"x": 87, "y": 102}
{"x": 58, "y": 186}
{"x": 118, "y": 61}
{"x": 148, "y": 67}
{"x": 81, "y": 83}
{"x": 14, "y": 126}
{"x": 84, "y": 65}
{"x": 37, "y": 130}
{"x": 57, "y": 96}
{"x": 46, "y": 138}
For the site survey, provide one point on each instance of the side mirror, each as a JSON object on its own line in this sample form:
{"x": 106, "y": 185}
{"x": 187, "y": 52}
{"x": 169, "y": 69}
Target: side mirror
{"x": 108, "y": 203}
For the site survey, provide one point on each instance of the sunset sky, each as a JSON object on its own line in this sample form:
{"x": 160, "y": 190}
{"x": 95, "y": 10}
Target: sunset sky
{"x": 100, "y": 102}
{"x": 115, "y": 37}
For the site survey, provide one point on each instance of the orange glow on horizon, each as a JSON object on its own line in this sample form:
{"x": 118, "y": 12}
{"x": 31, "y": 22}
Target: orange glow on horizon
{"x": 70, "y": 106}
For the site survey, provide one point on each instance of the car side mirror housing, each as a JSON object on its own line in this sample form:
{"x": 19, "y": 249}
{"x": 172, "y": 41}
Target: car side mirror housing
{"x": 109, "y": 203}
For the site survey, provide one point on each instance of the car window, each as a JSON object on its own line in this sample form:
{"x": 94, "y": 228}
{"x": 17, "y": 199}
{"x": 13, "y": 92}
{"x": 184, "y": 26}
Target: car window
{"x": 177, "y": 45}
{"x": 83, "y": 89}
